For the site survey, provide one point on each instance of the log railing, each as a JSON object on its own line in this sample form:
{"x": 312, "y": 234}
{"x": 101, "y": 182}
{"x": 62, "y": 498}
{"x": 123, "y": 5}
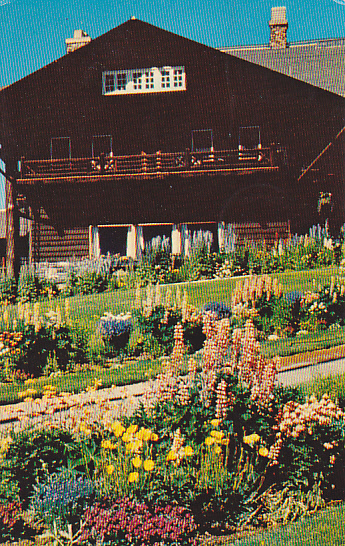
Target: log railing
{"x": 150, "y": 164}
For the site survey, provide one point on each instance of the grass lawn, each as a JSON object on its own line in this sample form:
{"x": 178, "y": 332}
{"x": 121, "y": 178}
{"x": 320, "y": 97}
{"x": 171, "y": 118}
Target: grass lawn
{"x": 88, "y": 309}
{"x": 130, "y": 371}
{"x": 326, "y": 528}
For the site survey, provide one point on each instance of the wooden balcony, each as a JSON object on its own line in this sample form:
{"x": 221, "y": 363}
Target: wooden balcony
{"x": 158, "y": 165}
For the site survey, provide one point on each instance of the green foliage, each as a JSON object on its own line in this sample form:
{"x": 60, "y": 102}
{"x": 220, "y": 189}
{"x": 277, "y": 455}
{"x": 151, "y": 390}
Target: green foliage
{"x": 8, "y": 289}
{"x": 32, "y": 455}
{"x": 46, "y": 349}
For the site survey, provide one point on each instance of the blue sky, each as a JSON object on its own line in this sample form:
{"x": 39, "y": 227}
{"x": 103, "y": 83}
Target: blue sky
{"x": 33, "y": 32}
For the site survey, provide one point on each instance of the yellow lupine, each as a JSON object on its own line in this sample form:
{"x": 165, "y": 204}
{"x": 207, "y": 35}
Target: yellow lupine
{"x": 149, "y": 465}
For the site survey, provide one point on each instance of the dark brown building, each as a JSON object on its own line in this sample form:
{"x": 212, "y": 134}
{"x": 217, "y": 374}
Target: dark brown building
{"x": 143, "y": 126}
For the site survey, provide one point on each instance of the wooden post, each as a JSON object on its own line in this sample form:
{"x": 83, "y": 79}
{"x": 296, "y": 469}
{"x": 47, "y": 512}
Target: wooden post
{"x": 12, "y": 231}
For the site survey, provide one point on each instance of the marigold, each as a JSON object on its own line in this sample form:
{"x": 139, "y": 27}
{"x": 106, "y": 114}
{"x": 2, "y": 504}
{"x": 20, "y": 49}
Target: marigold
{"x": 149, "y": 465}
{"x": 154, "y": 437}
{"x": 188, "y": 451}
{"x": 263, "y": 451}
{"x": 133, "y": 477}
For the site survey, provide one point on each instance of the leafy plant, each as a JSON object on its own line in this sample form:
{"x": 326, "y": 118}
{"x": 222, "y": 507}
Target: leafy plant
{"x": 61, "y": 497}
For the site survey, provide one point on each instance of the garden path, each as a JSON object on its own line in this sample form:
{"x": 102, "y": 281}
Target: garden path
{"x": 112, "y": 403}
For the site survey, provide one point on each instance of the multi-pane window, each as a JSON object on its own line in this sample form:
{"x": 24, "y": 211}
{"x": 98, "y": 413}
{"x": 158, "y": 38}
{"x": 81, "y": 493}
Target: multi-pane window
{"x": 137, "y": 80}
{"x": 121, "y": 81}
{"x": 165, "y": 83}
{"x": 109, "y": 84}
{"x": 149, "y": 80}
{"x": 178, "y": 77}
{"x": 144, "y": 80}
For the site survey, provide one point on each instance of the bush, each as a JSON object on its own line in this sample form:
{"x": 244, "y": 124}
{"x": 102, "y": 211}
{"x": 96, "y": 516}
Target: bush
{"x": 31, "y": 456}
{"x": 61, "y": 498}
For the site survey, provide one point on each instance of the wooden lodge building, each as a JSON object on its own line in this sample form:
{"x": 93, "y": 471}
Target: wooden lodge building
{"x": 141, "y": 127}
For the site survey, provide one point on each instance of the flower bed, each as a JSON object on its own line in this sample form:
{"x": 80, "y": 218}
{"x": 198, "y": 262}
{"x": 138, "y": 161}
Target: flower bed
{"x": 213, "y": 450}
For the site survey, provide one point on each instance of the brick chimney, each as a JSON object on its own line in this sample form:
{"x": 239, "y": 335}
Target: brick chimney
{"x": 278, "y": 25}
{"x": 79, "y": 39}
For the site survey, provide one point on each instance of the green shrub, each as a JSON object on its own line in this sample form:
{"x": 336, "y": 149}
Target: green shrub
{"x": 32, "y": 455}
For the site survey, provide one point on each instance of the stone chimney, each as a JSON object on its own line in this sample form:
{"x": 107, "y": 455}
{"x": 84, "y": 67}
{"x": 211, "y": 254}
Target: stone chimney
{"x": 79, "y": 39}
{"x": 278, "y": 25}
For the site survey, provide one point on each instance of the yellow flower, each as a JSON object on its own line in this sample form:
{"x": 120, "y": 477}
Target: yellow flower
{"x": 148, "y": 465}
{"x": 217, "y": 434}
{"x": 132, "y": 429}
{"x": 172, "y": 456}
{"x": 126, "y": 437}
{"x": 107, "y": 444}
{"x": 218, "y": 450}
{"x": 188, "y": 451}
{"x": 144, "y": 434}
{"x": 215, "y": 422}
{"x": 263, "y": 451}
{"x": 110, "y": 469}
{"x": 136, "y": 462}
{"x": 209, "y": 440}
{"x": 133, "y": 477}
{"x": 154, "y": 437}
{"x": 117, "y": 428}
{"x": 252, "y": 439}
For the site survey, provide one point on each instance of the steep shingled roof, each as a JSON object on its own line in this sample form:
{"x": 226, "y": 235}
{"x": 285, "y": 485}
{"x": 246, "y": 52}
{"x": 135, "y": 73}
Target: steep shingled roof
{"x": 318, "y": 62}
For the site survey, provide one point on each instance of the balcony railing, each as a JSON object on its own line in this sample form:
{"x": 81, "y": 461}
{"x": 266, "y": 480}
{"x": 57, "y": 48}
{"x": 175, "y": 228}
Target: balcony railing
{"x": 151, "y": 164}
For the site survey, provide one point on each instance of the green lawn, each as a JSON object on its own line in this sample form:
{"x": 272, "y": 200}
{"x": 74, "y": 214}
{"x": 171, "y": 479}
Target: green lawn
{"x": 88, "y": 309}
{"x": 326, "y": 528}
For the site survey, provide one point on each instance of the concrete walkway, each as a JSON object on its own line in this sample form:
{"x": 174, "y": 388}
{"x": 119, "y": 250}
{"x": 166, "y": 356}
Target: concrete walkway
{"x": 115, "y": 402}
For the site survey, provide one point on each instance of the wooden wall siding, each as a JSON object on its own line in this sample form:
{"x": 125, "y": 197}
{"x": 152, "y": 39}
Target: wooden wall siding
{"x": 47, "y": 245}
{"x": 268, "y": 233}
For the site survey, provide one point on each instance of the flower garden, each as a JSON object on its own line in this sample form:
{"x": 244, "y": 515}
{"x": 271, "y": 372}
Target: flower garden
{"x": 215, "y": 445}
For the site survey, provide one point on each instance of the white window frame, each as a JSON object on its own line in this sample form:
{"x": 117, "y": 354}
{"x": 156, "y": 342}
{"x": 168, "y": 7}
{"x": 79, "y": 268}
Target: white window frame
{"x": 144, "y": 80}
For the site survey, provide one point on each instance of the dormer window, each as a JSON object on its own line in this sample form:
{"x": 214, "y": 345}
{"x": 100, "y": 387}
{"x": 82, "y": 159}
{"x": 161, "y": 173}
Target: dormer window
{"x": 145, "y": 80}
